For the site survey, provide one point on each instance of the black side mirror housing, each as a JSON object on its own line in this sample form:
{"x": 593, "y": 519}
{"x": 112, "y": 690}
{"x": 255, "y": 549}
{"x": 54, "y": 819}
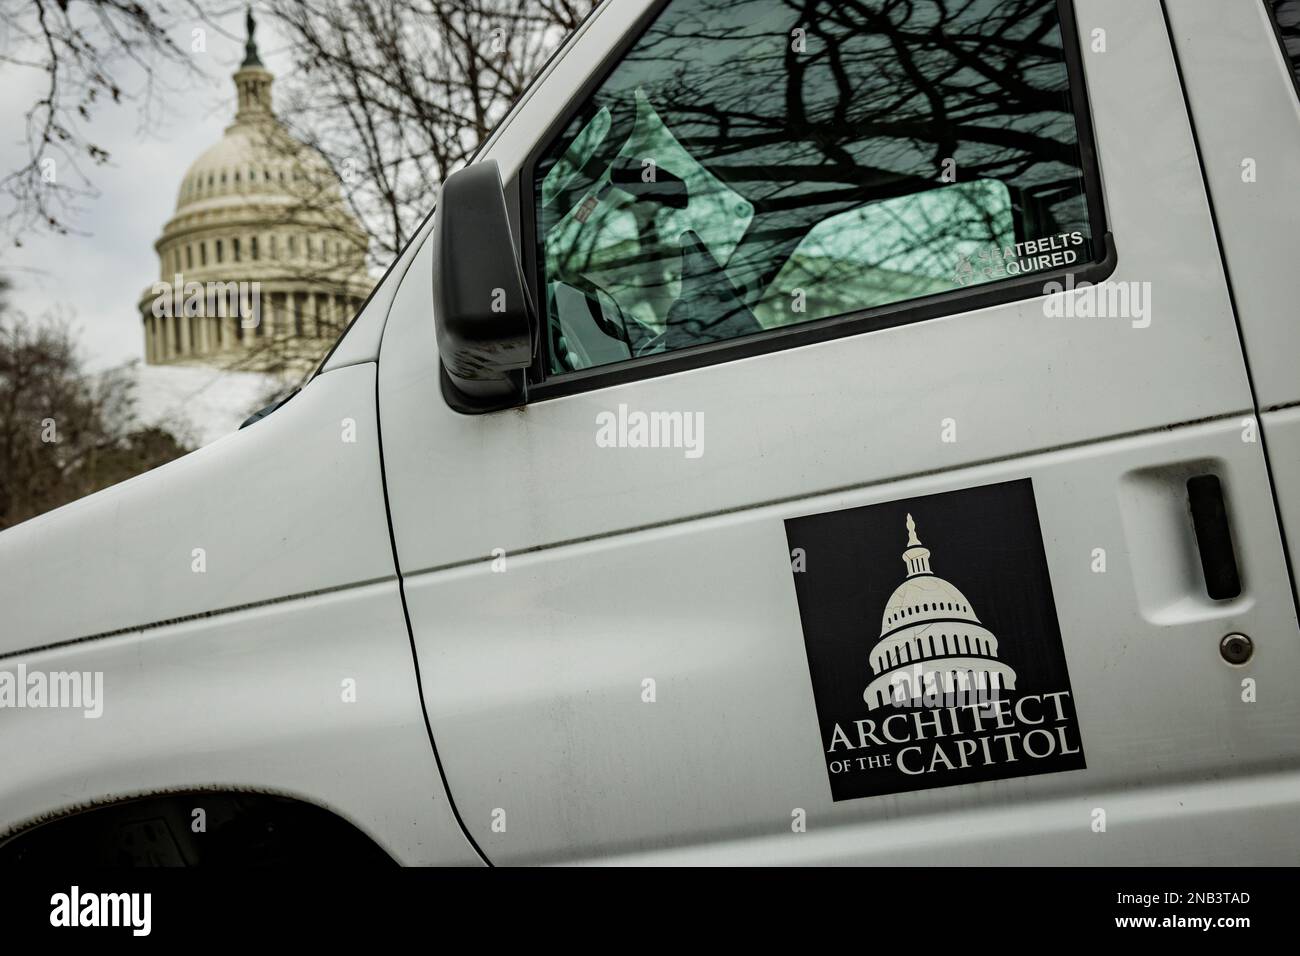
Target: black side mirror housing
{"x": 481, "y": 310}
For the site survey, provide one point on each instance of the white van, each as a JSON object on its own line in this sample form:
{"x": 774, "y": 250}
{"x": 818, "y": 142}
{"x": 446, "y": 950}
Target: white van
{"x": 825, "y": 433}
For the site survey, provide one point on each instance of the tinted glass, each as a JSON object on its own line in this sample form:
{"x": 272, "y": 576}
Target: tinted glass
{"x": 750, "y": 165}
{"x": 1286, "y": 14}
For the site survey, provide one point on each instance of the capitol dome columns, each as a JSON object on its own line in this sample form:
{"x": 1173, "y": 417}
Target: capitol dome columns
{"x": 932, "y": 646}
{"x": 243, "y": 219}
{"x": 311, "y": 320}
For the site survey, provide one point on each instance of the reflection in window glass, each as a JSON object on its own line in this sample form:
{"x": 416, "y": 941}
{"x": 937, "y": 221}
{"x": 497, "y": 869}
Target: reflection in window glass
{"x": 751, "y": 164}
{"x": 919, "y": 245}
{"x": 1286, "y": 15}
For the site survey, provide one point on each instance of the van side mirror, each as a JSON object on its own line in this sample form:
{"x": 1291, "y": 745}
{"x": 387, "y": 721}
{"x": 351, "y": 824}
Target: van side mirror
{"x": 481, "y": 310}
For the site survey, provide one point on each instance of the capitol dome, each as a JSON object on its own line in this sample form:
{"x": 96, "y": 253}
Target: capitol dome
{"x": 931, "y": 642}
{"x": 262, "y": 264}
{"x": 259, "y": 162}
{"x": 926, "y": 597}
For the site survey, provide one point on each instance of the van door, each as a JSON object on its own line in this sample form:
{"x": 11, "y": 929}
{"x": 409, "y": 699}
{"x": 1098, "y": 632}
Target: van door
{"x": 845, "y": 521}
{"x": 1232, "y": 55}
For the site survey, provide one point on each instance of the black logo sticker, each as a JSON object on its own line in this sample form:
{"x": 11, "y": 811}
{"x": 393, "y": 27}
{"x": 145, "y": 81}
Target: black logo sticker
{"x": 933, "y": 643}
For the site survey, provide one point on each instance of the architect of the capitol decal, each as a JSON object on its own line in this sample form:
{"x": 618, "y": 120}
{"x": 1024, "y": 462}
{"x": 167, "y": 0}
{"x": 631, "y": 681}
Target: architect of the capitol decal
{"x": 920, "y": 683}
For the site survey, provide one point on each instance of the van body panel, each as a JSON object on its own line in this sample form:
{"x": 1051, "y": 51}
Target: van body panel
{"x": 586, "y": 768}
{"x": 487, "y": 637}
{"x": 250, "y": 700}
{"x": 1242, "y": 97}
{"x": 1182, "y": 825}
{"x": 860, "y": 409}
{"x": 548, "y": 578}
{"x": 283, "y": 666}
{"x": 1282, "y": 431}
{"x": 287, "y": 506}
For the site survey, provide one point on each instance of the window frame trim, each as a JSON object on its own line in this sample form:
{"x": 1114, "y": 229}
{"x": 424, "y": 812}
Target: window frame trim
{"x": 1270, "y": 7}
{"x": 541, "y": 385}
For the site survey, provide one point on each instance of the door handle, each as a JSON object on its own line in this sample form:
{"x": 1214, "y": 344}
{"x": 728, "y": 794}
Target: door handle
{"x": 1213, "y": 537}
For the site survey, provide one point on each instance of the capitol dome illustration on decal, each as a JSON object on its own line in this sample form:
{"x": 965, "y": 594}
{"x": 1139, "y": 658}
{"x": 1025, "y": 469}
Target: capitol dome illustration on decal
{"x": 932, "y": 645}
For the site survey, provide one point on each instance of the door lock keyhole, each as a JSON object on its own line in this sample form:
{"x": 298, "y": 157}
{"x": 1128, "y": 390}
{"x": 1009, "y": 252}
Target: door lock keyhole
{"x": 1236, "y": 648}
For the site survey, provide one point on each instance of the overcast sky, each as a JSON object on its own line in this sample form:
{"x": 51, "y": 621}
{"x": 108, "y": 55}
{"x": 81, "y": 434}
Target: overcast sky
{"x": 96, "y": 279}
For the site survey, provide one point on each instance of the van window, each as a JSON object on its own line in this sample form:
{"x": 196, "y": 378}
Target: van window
{"x": 752, "y": 164}
{"x": 1286, "y": 17}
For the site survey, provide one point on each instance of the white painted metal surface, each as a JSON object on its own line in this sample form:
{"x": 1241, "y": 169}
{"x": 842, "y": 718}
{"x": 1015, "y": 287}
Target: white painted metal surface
{"x": 285, "y": 506}
{"x": 251, "y": 698}
{"x": 1282, "y": 430}
{"x": 1243, "y": 99}
{"x": 548, "y": 658}
{"x": 627, "y": 564}
{"x": 853, "y": 410}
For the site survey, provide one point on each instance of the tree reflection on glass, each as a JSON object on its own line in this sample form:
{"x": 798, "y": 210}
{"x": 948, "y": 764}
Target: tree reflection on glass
{"x": 757, "y": 163}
